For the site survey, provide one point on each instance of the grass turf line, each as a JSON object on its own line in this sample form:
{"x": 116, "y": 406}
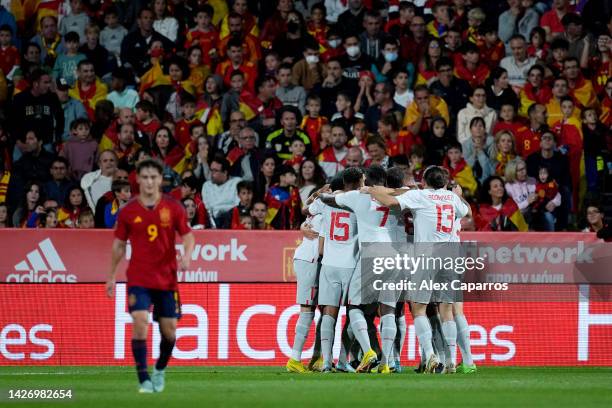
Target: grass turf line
{"x": 271, "y": 387}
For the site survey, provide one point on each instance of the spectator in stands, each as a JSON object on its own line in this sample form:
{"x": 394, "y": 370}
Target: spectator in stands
{"x": 231, "y": 219}
{"x": 351, "y": 18}
{"x": 535, "y": 90}
{"x": 477, "y": 148}
{"x": 192, "y": 216}
{"x": 528, "y": 138}
{"x": 517, "y": 20}
{"x": 121, "y": 96}
{"x": 263, "y": 180}
{"x": 560, "y": 90}
{"x": 219, "y": 193}
{"x": 98, "y": 182}
{"x": 80, "y": 149}
{"x": 498, "y": 211}
{"x": 403, "y": 94}
{"x": 48, "y": 40}
{"x": 459, "y": 170}
{"x": 88, "y": 88}
{"x": 73, "y": 109}
{"x": 280, "y": 140}
{"x": 283, "y": 200}
{"x": 551, "y": 20}
{"x": 86, "y": 220}
{"x": 4, "y": 216}
{"x": 333, "y": 158}
{"x": 259, "y": 212}
{"x": 310, "y": 177}
{"x": 246, "y": 158}
{"x": 476, "y": 107}
{"x": 503, "y": 151}
{"x": 60, "y": 184}
{"x": 354, "y": 157}
{"x": 309, "y": 71}
{"x": 199, "y": 161}
{"x": 287, "y": 92}
{"x": 580, "y": 89}
{"x": 594, "y": 218}
{"x": 453, "y": 90}
{"x": 384, "y": 104}
{"x": 135, "y": 45}
{"x": 499, "y": 91}
{"x": 74, "y": 204}
{"x": 517, "y": 65}
{"x": 372, "y": 38}
{"x": 30, "y": 200}
{"x": 424, "y": 107}
{"x": 520, "y": 187}
{"x": 38, "y": 109}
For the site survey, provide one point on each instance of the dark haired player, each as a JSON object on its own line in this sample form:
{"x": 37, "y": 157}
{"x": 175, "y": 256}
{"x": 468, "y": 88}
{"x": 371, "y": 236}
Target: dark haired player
{"x": 151, "y": 222}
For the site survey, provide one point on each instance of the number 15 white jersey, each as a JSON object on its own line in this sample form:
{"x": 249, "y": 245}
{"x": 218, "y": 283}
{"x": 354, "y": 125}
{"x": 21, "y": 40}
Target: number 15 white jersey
{"x": 435, "y": 213}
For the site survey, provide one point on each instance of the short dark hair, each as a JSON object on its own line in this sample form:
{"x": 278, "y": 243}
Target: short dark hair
{"x": 234, "y": 42}
{"x": 222, "y": 161}
{"x": 444, "y": 61}
{"x": 84, "y": 62}
{"x": 146, "y": 106}
{"x": 376, "y": 176}
{"x": 72, "y": 36}
{"x": 150, "y": 164}
{"x": 61, "y": 159}
{"x": 37, "y": 74}
{"x": 352, "y": 175}
{"x": 79, "y": 121}
{"x": 532, "y": 108}
{"x": 244, "y": 185}
{"x": 571, "y": 59}
{"x": 395, "y": 177}
{"x": 454, "y": 145}
{"x": 6, "y": 27}
{"x": 376, "y": 140}
{"x": 206, "y": 8}
{"x": 118, "y": 185}
{"x": 559, "y": 43}
{"x": 435, "y": 177}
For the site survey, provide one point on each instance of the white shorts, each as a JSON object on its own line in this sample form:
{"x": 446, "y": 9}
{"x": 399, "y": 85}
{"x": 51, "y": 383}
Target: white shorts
{"x": 333, "y": 285}
{"x": 307, "y": 275}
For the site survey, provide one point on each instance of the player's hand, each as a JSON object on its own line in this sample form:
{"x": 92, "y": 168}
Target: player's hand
{"x": 110, "y": 288}
{"x": 365, "y": 190}
{"x": 458, "y": 190}
{"x": 309, "y": 232}
{"x": 183, "y": 261}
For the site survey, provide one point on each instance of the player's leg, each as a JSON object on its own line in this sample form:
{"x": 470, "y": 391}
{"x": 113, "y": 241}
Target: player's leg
{"x": 330, "y": 296}
{"x": 307, "y": 284}
{"x": 328, "y": 326}
{"x": 316, "y": 362}
{"x": 359, "y": 327}
{"x": 437, "y": 337}
{"x": 467, "y": 365}
{"x": 400, "y": 337}
{"x": 449, "y": 330}
{"x": 139, "y": 302}
{"x": 347, "y": 340}
{"x": 387, "y": 333}
{"x": 166, "y": 311}
{"x": 424, "y": 334}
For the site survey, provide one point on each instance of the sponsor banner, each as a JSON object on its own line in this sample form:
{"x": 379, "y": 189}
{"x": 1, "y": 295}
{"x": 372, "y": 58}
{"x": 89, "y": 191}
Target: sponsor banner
{"x": 253, "y": 324}
{"x": 70, "y": 256}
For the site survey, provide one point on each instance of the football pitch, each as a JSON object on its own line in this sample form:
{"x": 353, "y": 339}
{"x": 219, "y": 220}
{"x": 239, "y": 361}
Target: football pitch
{"x": 115, "y": 387}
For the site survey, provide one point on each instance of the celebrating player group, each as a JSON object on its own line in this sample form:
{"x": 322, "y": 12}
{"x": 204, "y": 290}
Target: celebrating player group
{"x": 374, "y": 206}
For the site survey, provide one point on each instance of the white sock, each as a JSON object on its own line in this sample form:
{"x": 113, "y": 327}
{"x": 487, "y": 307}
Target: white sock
{"x": 327, "y": 339}
{"x": 463, "y": 339}
{"x": 387, "y": 334}
{"x": 449, "y": 329}
{"x": 400, "y": 322}
{"x": 360, "y": 329}
{"x": 423, "y": 332}
{"x": 302, "y": 328}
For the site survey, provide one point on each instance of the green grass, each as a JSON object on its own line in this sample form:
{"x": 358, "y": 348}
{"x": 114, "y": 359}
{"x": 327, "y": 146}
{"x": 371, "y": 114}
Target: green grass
{"x": 115, "y": 387}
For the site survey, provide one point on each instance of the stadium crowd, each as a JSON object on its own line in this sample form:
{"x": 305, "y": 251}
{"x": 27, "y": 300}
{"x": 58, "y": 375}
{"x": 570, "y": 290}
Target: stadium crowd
{"x": 251, "y": 105}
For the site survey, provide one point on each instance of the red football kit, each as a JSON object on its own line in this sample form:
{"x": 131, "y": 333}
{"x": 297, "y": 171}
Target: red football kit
{"x": 152, "y": 235}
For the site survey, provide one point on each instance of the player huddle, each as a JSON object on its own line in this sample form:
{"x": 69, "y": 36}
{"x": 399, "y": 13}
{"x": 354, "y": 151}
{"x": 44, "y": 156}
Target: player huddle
{"x": 372, "y": 205}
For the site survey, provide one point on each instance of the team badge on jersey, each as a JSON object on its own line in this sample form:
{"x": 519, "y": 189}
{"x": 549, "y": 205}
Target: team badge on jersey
{"x": 165, "y": 217}
{"x": 137, "y": 219}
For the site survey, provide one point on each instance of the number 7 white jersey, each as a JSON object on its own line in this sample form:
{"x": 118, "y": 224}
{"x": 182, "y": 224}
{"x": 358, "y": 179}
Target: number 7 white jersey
{"x": 341, "y": 248}
{"x": 376, "y": 222}
{"x": 435, "y": 213}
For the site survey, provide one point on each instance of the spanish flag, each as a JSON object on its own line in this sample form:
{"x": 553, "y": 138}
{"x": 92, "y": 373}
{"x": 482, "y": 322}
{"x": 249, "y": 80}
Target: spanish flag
{"x": 508, "y": 218}
{"x": 462, "y": 174}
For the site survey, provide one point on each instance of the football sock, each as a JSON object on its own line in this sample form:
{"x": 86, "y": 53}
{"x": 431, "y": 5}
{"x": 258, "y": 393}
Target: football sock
{"x": 327, "y": 339}
{"x": 346, "y": 341}
{"x": 165, "y": 352}
{"x": 423, "y": 333}
{"x": 316, "y": 353}
{"x": 387, "y": 333}
{"x": 449, "y": 329}
{"x": 400, "y": 337}
{"x": 437, "y": 336}
{"x": 302, "y": 328}
{"x": 463, "y": 339}
{"x": 373, "y": 335}
{"x": 360, "y": 329}
{"x": 139, "y": 350}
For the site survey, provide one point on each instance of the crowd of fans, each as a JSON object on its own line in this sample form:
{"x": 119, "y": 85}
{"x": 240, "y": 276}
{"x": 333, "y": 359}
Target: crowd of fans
{"x": 252, "y": 105}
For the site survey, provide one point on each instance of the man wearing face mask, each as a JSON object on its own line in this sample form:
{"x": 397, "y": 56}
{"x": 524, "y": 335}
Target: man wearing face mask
{"x": 309, "y": 71}
{"x": 389, "y": 61}
{"x": 335, "y": 48}
{"x": 353, "y": 62}
{"x": 290, "y": 44}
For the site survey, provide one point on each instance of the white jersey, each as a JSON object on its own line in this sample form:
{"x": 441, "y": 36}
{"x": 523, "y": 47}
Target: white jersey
{"x": 308, "y": 250}
{"x": 341, "y": 248}
{"x": 376, "y": 222}
{"x": 435, "y": 213}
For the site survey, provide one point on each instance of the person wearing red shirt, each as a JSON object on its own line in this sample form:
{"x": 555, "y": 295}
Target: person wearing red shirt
{"x": 551, "y": 20}
{"x": 204, "y": 34}
{"x": 146, "y": 123}
{"x": 151, "y": 222}
{"x": 235, "y": 61}
{"x": 580, "y": 89}
{"x": 183, "y": 126}
{"x": 535, "y": 90}
{"x": 9, "y": 55}
{"x": 508, "y": 120}
{"x": 413, "y": 48}
{"x": 528, "y": 138}
{"x": 492, "y": 49}
{"x": 400, "y": 27}
{"x": 469, "y": 68}
{"x": 251, "y": 50}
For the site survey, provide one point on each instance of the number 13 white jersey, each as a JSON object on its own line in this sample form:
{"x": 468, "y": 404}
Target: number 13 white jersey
{"x": 435, "y": 213}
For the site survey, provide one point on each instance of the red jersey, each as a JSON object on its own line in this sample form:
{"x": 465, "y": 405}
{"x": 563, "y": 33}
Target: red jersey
{"x": 527, "y": 141}
{"x": 183, "y": 131}
{"x": 206, "y": 41}
{"x": 9, "y": 57}
{"x": 152, "y": 234}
